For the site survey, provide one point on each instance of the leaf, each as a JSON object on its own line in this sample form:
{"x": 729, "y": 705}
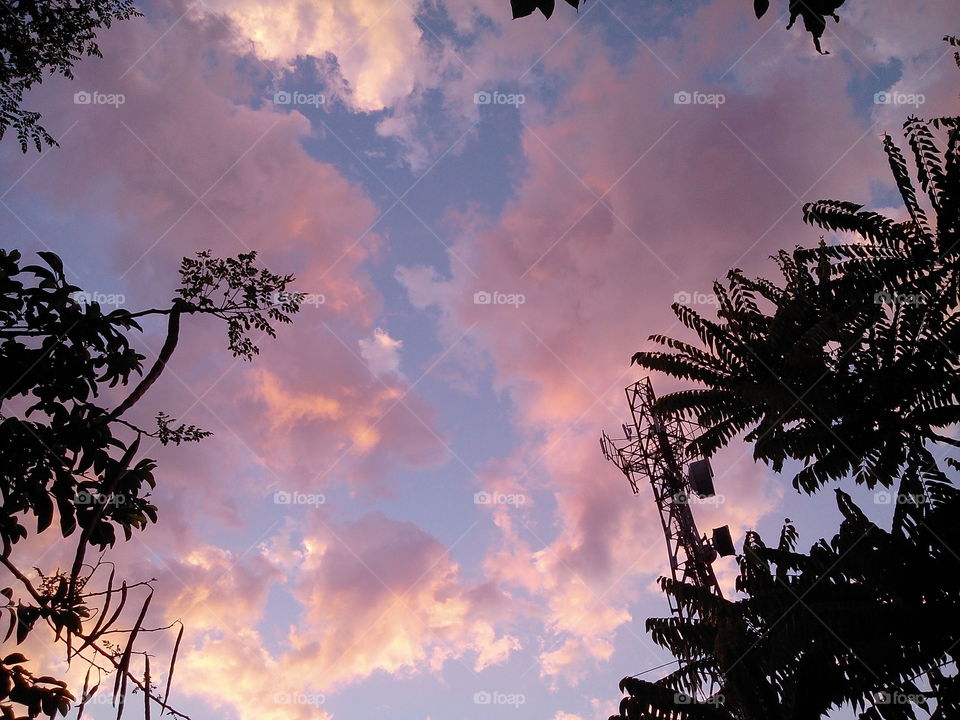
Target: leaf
{"x": 43, "y": 507}
{"x": 522, "y": 8}
{"x": 123, "y": 667}
{"x": 26, "y": 617}
{"x": 13, "y": 624}
{"x": 173, "y": 662}
{"x": 53, "y": 260}
{"x": 760, "y": 7}
{"x": 83, "y": 694}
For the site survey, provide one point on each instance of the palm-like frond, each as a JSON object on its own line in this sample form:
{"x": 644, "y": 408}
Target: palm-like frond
{"x": 850, "y": 363}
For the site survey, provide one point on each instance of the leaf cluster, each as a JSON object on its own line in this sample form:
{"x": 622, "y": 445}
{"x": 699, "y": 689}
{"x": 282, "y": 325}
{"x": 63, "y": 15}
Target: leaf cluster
{"x": 46, "y": 36}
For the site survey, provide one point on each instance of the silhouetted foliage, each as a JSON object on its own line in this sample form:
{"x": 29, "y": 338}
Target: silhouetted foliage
{"x": 849, "y": 364}
{"x": 867, "y": 619}
{"x": 813, "y": 12}
{"x": 46, "y": 36}
{"x": 65, "y": 456}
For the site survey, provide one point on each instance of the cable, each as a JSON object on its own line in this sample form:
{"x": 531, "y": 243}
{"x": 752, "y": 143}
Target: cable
{"x": 655, "y": 668}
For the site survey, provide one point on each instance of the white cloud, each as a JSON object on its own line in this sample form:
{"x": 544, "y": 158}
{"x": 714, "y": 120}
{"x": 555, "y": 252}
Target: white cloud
{"x": 381, "y": 352}
{"x": 377, "y": 43}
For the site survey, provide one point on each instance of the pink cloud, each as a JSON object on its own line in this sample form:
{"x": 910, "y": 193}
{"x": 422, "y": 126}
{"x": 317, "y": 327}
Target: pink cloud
{"x": 630, "y": 200}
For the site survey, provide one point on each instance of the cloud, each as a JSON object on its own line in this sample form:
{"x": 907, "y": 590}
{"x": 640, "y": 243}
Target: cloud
{"x": 627, "y": 200}
{"x": 376, "y": 595}
{"x": 381, "y": 352}
{"x": 377, "y": 43}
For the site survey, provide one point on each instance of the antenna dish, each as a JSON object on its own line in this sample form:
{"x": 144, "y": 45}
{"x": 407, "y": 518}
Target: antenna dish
{"x": 700, "y": 477}
{"x": 723, "y": 542}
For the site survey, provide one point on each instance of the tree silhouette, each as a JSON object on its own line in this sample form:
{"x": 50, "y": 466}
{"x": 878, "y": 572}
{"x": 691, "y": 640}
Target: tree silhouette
{"x": 849, "y": 364}
{"x": 67, "y": 456}
{"x": 46, "y": 36}
{"x": 813, "y": 12}
{"x": 867, "y": 619}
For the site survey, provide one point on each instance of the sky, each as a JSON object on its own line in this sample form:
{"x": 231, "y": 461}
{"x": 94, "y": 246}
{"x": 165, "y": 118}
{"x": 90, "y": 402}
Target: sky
{"x": 403, "y": 511}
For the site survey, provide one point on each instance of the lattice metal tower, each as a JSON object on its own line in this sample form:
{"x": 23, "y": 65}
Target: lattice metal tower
{"x": 654, "y": 449}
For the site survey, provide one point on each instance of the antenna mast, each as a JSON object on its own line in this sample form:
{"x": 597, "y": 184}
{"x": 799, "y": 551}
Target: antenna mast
{"x": 653, "y": 450}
